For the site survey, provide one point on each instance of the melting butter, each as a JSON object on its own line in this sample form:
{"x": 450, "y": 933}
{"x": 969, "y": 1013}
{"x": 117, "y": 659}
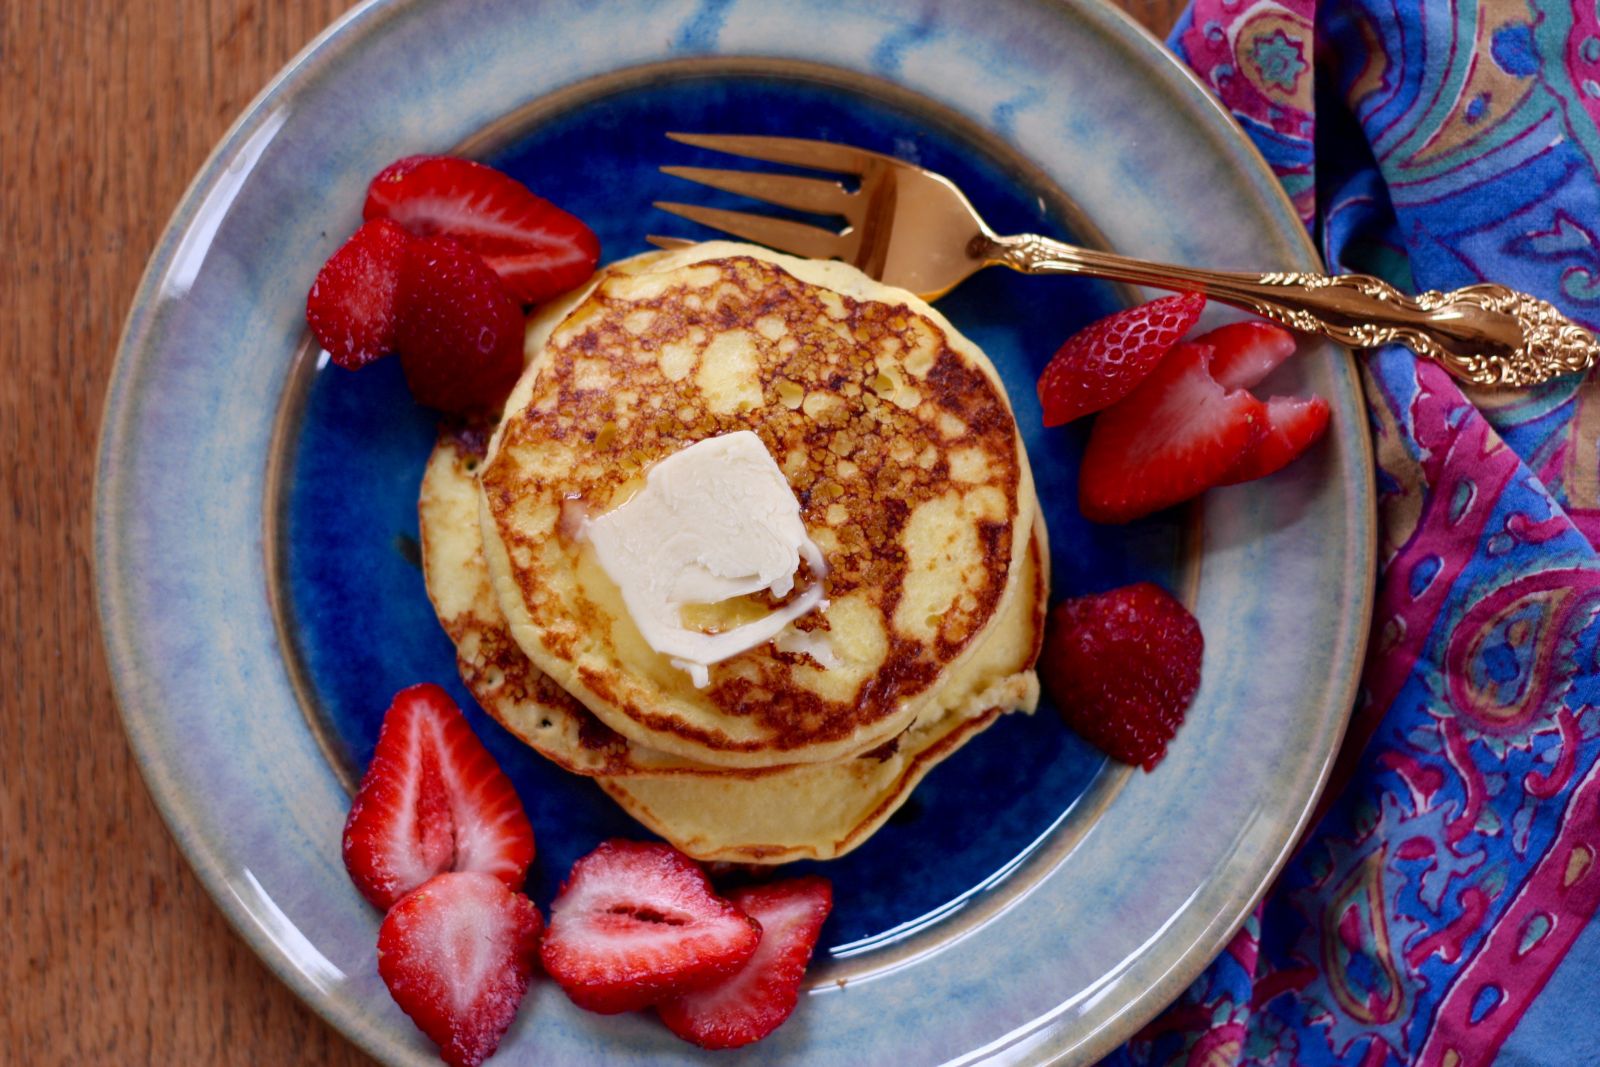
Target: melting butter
{"x": 714, "y": 521}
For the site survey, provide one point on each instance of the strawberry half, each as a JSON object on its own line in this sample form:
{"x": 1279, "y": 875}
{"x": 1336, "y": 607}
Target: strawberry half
{"x": 1122, "y": 667}
{"x": 457, "y": 955}
{"x": 459, "y": 332}
{"x": 353, "y": 304}
{"x": 1178, "y": 434}
{"x": 636, "y": 923}
{"x": 537, "y": 249}
{"x": 432, "y": 800}
{"x": 1106, "y": 360}
{"x": 753, "y": 1002}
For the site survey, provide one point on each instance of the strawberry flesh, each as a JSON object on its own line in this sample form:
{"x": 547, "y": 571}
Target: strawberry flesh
{"x": 432, "y": 800}
{"x": 1122, "y": 667}
{"x": 637, "y": 923}
{"x": 1106, "y": 360}
{"x": 751, "y": 1003}
{"x": 1294, "y": 424}
{"x": 537, "y": 249}
{"x": 354, "y": 302}
{"x": 1175, "y": 436}
{"x": 457, "y": 955}
{"x": 1244, "y": 353}
{"x": 459, "y": 331}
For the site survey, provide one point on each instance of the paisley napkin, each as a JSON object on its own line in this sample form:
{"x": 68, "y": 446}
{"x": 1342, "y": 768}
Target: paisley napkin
{"x": 1440, "y": 911}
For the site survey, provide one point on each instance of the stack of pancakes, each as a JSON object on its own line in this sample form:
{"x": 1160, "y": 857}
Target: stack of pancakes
{"x": 894, "y": 433}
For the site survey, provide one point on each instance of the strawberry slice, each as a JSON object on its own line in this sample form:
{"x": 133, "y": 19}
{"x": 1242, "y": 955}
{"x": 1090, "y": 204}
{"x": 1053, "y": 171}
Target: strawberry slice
{"x": 754, "y": 1001}
{"x": 1294, "y": 424}
{"x": 353, "y": 304}
{"x": 459, "y": 332}
{"x": 1176, "y": 435}
{"x": 1122, "y": 667}
{"x": 636, "y": 923}
{"x": 537, "y": 249}
{"x": 457, "y": 955}
{"x": 432, "y": 800}
{"x": 1104, "y": 361}
{"x": 1244, "y": 353}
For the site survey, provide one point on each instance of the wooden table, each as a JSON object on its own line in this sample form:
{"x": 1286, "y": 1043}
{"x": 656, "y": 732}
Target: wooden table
{"x": 111, "y": 951}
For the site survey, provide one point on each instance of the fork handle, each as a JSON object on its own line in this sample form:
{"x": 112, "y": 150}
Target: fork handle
{"x": 1484, "y": 334}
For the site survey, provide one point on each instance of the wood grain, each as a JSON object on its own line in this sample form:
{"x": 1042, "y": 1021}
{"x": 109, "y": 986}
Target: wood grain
{"x": 110, "y": 951}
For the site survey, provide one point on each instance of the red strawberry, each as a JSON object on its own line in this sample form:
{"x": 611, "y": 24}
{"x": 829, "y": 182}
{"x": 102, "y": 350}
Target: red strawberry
{"x": 457, "y": 955}
{"x": 432, "y": 800}
{"x": 353, "y": 303}
{"x": 1176, "y": 435}
{"x": 1104, "y": 361}
{"x": 1293, "y": 425}
{"x": 537, "y": 249}
{"x": 753, "y": 1002}
{"x": 1246, "y": 352}
{"x": 460, "y": 333}
{"x": 637, "y": 923}
{"x": 1123, "y": 666}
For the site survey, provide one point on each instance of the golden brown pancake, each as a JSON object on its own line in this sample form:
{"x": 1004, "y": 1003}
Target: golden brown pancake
{"x": 892, "y": 429}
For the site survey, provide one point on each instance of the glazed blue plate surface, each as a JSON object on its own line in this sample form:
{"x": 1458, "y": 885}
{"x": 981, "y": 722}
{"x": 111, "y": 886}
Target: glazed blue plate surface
{"x": 257, "y": 527}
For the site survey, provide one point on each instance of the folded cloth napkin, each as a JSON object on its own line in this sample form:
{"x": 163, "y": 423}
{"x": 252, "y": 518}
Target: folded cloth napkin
{"x": 1439, "y": 910}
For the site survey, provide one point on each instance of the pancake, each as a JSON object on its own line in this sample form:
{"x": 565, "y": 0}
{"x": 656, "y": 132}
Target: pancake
{"x": 532, "y": 706}
{"x": 892, "y": 429}
{"x": 822, "y": 811}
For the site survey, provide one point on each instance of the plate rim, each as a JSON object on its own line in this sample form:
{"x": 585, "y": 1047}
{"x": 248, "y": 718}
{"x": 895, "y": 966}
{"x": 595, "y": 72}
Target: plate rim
{"x": 139, "y": 324}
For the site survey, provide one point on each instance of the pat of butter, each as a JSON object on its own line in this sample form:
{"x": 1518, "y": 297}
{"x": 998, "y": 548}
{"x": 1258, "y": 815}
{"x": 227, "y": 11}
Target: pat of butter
{"x": 715, "y": 520}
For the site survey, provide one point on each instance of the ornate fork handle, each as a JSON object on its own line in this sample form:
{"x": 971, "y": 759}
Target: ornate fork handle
{"x": 1484, "y": 334}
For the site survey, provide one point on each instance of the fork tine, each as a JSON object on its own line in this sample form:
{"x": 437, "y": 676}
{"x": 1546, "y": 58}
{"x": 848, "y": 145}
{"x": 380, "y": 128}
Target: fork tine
{"x": 814, "y": 155}
{"x": 670, "y": 244}
{"x": 816, "y": 195}
{"x": 812, "y": 242}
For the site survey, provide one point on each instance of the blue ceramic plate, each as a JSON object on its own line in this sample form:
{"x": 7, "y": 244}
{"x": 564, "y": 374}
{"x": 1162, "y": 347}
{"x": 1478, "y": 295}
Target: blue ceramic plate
{"x": 256, "y": 513}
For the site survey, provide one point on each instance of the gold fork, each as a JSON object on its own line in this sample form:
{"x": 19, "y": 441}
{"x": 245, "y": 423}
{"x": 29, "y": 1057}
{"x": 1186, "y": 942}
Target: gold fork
{"x": 914, "y": 229}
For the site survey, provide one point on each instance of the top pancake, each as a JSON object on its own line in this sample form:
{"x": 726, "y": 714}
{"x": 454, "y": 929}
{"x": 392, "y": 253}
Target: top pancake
{"x": 892, "y": 429}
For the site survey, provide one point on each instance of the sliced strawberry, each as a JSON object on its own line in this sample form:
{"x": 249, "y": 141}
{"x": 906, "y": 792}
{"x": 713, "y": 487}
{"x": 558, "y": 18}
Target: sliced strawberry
{"x": 636, "y": 923}
{"x": 1246, "y": 352}
{"x": 755, "y": 1000}
{"x": 1104, "y": 361}
{"x": 1176, "y": 435}
{"x": 1122, "y": 666}
{"x": 1293, "y": 425}
{"x": 457, "y": 955}
{"x": 353, "y": 304}
{"x": 460, "y": 333}
{"x": 432, "y": 800}
{"x": 537, "y": 249}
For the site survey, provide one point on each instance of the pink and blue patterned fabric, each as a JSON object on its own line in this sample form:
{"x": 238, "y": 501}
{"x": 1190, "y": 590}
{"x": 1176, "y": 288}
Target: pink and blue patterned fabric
{"x": 1440, "y": 910}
